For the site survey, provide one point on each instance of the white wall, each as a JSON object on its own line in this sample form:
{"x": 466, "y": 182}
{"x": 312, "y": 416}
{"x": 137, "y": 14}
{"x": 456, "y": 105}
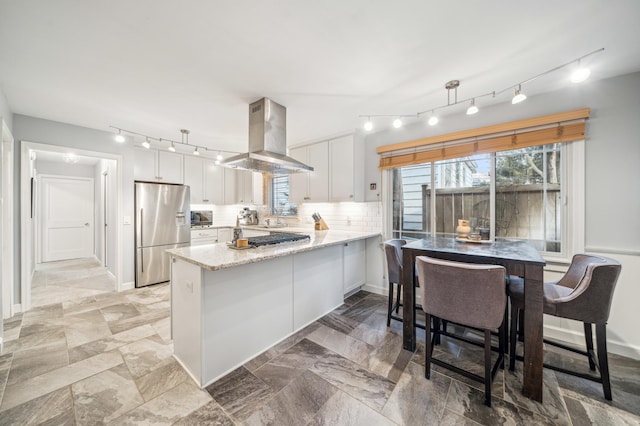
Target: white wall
{"x": 5, "y": 112}
{"x": 108, "y": 166}
{"x": 6, "y": 117}
{"x": 64, "y": 169}
{"x": 612, "y": 204}
{"x": 41, "y": 131}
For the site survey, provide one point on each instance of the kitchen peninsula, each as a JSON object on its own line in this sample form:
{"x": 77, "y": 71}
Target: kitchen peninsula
{"x": 227, "y": 306}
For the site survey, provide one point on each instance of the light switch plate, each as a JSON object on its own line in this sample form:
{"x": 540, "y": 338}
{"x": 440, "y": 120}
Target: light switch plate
{"x": 126, "y": 220}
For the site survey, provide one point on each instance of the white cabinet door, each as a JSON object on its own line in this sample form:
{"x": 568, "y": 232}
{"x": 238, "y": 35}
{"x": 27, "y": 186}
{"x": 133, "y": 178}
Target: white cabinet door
{"x": 193, "y": 176}
{"x": 355, "y": 265}
{"x": 144, "y": 164}
{"x": 157, "y": 166}
{"x": 342, "y": 168}
{"x": 225, "y": 234}
{"x": 318, "y": 158}
{"x": 213, "y": 183}
{"x": 299, "y": 182}
{"x": 230, "y": 181}
{"x": 248, "y": 187}
{"x": 170, "y": 167}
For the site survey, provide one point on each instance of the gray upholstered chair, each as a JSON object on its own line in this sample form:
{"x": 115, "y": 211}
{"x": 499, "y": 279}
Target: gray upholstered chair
{"x": 583, "y": 294}
{"x": 468, "y": 294}
{"x": 393, "y": 254}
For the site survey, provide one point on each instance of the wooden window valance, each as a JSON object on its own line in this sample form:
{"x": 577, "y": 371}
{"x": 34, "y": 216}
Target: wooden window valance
{"x": 561, "y": 127}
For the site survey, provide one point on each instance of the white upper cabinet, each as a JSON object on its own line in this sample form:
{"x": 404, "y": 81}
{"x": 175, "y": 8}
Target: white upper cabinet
{"x": 157, "y": 166}
{"x": 206, "y": 180}
{"x": 346, "y": 161}
{"x": 312, "y": 187}
{"x": 338, "y": 171}
{"x": 249, "y": 187}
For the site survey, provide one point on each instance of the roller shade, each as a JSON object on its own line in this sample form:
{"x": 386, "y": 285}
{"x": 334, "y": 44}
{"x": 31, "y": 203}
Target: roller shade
{"x": 561, "y": 127}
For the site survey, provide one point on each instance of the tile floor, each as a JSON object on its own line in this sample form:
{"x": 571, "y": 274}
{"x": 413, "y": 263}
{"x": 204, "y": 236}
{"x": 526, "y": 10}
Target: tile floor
{"x": 107, "y": 359}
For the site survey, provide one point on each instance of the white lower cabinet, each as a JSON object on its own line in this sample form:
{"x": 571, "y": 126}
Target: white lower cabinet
{"x": 355, "y": 265}
{"x": 203, "y": 236}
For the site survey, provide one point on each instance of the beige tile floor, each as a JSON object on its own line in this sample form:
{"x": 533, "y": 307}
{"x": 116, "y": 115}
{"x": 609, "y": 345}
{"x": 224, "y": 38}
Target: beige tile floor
{"x": 106, "y": 358}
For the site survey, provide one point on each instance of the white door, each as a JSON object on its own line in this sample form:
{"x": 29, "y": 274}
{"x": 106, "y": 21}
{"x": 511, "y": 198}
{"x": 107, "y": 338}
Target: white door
{"x": 67, "y": 218}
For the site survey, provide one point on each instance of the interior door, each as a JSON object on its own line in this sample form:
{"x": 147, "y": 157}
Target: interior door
{"x": 67, "y": 217}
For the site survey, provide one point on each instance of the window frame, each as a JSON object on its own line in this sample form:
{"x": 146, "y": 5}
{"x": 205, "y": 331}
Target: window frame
{"x": 270, "y": 199}
{"x": 572, "y": 195}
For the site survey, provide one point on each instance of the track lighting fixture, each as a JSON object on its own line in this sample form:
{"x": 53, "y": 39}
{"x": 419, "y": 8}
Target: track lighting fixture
{"x": 172, "y": 147}
{"x": 580, "y": 74}
{"x": 119, "y": 138}
{"x": 518, "y": 96}
{"x": 473, "y": 109}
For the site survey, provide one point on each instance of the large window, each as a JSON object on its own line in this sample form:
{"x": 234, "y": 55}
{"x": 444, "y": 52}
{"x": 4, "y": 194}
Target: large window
{"x": 279, "y": 204}
{"x": 515, "y": 193}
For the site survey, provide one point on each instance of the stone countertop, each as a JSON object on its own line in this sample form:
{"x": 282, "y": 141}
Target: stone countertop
{"x": 219, "y": 256}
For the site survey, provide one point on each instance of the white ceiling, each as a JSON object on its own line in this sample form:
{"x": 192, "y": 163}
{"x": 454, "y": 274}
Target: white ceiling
{"x": 156, "y": 66}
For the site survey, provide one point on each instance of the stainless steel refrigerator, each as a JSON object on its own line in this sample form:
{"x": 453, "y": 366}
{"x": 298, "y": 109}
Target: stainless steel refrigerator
{"x": 162, "y": 222}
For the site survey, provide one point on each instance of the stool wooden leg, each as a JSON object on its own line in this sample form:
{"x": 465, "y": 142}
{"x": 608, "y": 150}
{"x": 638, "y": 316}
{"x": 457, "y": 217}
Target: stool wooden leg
{"x": 588, "y": 338}
{"x": 603, "y": 359}
{"x": 390, "y": 304}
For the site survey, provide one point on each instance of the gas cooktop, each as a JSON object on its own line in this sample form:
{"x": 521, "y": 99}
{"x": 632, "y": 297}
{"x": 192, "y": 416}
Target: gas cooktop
{"x": 276, "y": 238}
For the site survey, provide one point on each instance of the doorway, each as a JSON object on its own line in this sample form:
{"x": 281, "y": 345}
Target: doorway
{"x": 64, "y": 210}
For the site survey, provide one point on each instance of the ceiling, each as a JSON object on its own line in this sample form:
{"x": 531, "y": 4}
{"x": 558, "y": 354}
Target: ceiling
{"x": 157, "y": 66}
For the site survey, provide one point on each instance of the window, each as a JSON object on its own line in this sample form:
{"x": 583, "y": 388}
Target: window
{"x": 279, "y": 204}
{"x": 516, "y": 193}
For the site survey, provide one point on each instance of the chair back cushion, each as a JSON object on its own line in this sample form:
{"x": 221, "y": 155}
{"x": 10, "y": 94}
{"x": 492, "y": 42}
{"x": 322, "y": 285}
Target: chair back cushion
{"x": 576, "y": 271}
{"x": 591, "y": 299}
{"x": 393, "y": 253}
{"x": 469, "y": 294}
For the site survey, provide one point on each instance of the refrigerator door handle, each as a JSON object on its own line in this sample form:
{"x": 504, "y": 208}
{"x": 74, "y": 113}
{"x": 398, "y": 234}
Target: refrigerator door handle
{"x": 141, "y": 240}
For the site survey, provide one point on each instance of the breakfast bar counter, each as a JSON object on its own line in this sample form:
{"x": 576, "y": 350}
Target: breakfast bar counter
{"x": 228, "y": 306}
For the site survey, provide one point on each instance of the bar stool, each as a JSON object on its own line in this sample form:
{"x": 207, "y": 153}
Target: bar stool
{"x": 393, "y": 254}
{"x": 583, "y": 294}
{"x": 468, "y": 294}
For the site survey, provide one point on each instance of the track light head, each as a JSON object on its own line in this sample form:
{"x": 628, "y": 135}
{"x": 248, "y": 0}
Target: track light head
{"x": 518, "y": 96}
{"x": 580, "y": 74}
{"x": 433, "y": 120}
{"x": 473, "y": 109}
{"x": 172, "y": 147}
{"x": 119, "y": 137}
{"x": 397, "y": 123}
{"x": 146, "y": 143}
{"x": 196, "y": 152}
{"x": 219, "y": 157}
{"x": 368, "y": 125}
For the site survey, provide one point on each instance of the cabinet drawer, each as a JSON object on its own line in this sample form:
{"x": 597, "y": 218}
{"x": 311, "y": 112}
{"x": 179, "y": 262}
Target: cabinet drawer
{"x": 204, "y": 233}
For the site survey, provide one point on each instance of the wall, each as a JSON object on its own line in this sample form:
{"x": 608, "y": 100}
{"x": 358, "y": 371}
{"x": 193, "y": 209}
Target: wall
{"x": 5, "y": 112}
{"x": 612, "y": 204}
{"x": 6, "y": 116}
{"x": 64, "y": 169}
{"x": 31, "y": 129}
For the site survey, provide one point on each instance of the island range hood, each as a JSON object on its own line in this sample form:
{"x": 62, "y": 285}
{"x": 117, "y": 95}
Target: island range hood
{"x": 267, "y": 142}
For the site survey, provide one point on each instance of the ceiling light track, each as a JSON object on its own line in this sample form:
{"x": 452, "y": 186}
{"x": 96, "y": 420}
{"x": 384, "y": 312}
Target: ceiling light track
{"x": 580, "y": 74}
{"x": 148, "y": 140}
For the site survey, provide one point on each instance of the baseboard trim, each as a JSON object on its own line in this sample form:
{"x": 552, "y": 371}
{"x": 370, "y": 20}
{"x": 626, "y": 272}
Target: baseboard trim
{"x": 577, "y": 338}
{"x": 374, "y": 289}
{"x": 128, "y": 286}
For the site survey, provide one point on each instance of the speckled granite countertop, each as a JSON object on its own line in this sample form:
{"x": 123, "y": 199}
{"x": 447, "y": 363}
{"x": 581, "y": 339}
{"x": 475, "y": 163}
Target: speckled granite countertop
{"x": 219, "y": 256}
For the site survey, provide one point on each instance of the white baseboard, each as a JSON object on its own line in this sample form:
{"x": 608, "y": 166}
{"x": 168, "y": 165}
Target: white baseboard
{"x": 127, "y": 286}
{"x": 577, "y": 338}
{"x": 374, "y": 289}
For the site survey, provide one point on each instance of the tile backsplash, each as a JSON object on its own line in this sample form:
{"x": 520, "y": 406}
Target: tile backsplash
{"x": 345, "y": 216}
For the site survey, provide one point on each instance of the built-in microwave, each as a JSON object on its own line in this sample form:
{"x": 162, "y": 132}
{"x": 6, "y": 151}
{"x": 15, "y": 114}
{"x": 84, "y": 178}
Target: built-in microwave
{"x": 201, "y": 217}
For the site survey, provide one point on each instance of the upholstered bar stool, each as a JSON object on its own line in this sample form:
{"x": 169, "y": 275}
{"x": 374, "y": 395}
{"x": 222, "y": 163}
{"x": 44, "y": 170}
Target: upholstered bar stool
{"x": 393, "y": 254}
{"x": 583, "y": 294}
{"x": 468, "y": 294}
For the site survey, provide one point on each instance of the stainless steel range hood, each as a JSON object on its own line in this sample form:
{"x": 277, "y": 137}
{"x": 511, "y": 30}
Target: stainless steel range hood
{"x": 267, "y": 142}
